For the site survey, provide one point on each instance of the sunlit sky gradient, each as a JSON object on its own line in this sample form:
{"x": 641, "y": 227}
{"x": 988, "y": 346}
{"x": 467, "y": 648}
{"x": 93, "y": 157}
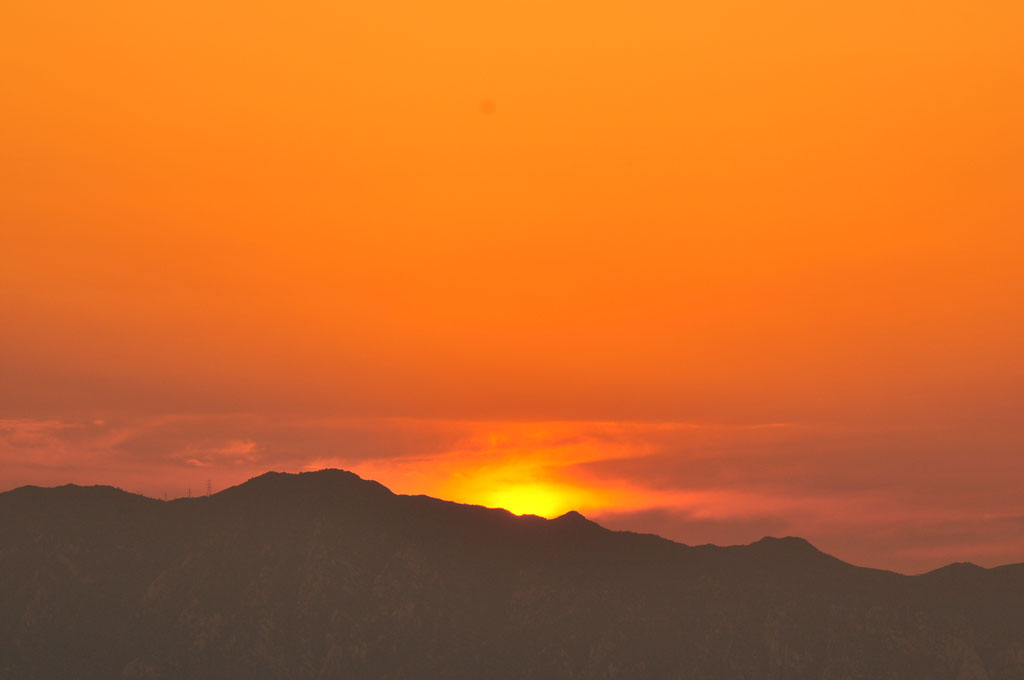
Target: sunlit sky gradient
{"x": 715, "y": 270}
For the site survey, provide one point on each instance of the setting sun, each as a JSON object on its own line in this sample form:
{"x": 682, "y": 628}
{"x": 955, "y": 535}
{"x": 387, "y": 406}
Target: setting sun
{"x": 546, "y": 500}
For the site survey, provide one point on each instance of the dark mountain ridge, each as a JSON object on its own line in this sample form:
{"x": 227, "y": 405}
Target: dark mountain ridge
{"x": 326, "y": 575}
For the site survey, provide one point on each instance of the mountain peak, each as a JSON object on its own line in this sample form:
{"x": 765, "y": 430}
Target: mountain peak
{"x": 958, "y": 568}
{"x": 333, "y": 476}
{"x": 575, "y": 522}
{"x": 326, "y": 482}
{"x": 788, "y": 544}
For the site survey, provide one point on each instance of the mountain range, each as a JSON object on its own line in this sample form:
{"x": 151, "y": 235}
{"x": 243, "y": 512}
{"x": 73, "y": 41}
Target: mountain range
{"x": 326, "y": 575}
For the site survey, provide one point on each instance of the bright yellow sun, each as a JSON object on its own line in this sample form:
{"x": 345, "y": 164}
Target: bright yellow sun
{"x": 546, "y": 500}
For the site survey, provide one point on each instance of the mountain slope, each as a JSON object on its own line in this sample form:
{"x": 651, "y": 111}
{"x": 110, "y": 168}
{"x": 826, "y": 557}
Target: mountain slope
{"x": 325, "y": 575}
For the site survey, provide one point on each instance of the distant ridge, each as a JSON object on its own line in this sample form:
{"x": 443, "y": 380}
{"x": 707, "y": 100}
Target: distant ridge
{"x": 327, "y": 575}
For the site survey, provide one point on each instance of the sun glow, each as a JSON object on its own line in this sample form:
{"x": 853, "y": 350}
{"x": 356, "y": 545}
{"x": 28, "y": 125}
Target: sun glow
{"x": 546, "y": 500}
{"x": 535, "y": 468}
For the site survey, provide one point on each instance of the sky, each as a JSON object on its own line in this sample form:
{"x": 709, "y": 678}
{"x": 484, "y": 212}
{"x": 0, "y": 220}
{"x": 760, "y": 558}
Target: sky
{"x": 710, "y": 270}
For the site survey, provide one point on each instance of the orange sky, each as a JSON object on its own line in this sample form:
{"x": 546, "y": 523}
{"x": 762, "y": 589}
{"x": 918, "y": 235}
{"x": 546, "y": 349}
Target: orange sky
{"x": 714, "y": 270}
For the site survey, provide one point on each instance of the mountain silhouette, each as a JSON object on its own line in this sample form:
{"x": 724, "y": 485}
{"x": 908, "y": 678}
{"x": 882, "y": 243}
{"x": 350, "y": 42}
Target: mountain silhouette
{"x": 326, "y": 575}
